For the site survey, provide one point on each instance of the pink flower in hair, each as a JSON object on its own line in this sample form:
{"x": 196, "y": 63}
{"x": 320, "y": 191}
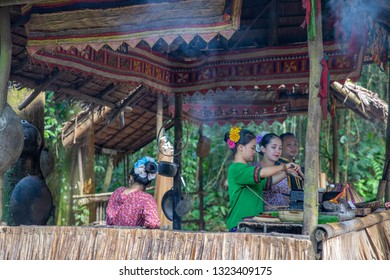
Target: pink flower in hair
{"x": 231, "y": 144}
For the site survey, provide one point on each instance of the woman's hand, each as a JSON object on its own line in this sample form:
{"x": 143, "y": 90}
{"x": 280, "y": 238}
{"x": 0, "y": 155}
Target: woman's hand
{"x": 294, "y": 169}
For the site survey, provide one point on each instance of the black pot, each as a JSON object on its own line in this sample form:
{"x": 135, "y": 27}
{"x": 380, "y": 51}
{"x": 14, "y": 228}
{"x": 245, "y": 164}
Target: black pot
{"x": 182, "y": 208}
{"x": 167, "y": 169}
{"x": 167, "y": 204}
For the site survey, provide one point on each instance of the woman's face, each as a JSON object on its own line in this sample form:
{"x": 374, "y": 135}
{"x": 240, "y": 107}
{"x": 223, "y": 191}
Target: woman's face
{"x": 249, "y": 150}
{"x": 273, "y": 150}
{"x": 290, "y": 147}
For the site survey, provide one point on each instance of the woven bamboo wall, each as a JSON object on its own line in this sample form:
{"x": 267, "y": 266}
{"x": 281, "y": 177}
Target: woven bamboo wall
{"x": 370, "y": 243}
{"x": 104, "y": 243}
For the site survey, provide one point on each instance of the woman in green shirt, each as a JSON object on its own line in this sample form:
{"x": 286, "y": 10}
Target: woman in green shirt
{"x": 246, "y": 182}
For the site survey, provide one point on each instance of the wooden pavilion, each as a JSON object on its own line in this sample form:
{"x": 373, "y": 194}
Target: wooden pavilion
{"x": 120, "y": 54}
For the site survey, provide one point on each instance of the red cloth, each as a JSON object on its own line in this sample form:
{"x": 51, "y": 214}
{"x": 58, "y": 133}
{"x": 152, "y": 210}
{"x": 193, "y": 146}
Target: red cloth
{"x": 137, "y": 208}
{"x": 323, "y": 94}
{"x": 306, "y": 4}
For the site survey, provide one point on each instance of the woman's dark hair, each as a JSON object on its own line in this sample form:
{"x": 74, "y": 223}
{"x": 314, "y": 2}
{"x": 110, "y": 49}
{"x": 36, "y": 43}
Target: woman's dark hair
{"x": 285, "y": 135}
{"x": 266, "y": 140}
{"x": 150, "y": 168}
{"x": 245, "y": 137}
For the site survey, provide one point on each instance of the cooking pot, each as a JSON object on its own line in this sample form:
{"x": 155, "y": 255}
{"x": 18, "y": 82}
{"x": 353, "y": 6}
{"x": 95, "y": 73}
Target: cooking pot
{"x": 168, "y": 169}
{"x": 182, "y": 208}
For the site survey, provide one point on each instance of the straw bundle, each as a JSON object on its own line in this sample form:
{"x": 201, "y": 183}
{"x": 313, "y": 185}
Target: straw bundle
{"x": 116, "y": 243}
{"x": 365, "y": 238}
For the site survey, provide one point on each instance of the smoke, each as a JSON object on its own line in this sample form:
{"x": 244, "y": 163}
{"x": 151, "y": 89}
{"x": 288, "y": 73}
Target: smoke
{"x": 350, "y": 16}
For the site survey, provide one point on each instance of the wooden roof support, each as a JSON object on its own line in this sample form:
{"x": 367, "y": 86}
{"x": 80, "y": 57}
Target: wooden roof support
{"x": 5, "y": 66}
{"x": 314, "y": 118}
{"x": 387, "y": 158}
{"x": 114, "y": 113}
{"x": 108, "y": 90}
{"x": 39, "y": 89}
{"x": 5, "y": 55}
{"x": 126, "y": 102}
{"x": 177, "y": 148}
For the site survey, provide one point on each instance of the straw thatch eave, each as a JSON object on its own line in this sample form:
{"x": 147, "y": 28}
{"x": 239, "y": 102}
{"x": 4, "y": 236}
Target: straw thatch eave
{"x": 363, "y": 102}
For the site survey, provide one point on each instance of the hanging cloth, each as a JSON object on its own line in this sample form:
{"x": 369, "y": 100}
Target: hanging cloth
{"x": 324, "y": 86}
{"x": 311, "y": 7}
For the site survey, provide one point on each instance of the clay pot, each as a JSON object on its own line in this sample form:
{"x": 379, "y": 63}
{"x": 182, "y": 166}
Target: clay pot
{"x": 11, "y": 139}
{"x": 167, "y": 169}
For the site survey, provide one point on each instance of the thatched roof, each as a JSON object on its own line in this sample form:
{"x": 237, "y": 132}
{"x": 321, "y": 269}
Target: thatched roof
{"x": 249, "y": 46}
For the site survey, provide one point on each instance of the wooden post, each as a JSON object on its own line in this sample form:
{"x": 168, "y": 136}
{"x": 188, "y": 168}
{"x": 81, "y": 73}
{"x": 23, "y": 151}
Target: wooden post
{"x": 89, "y": 185}
{"x": 165, "y": 153}
{"x": 387, "y": 158}
{"x": 200, "y": 180}
{"x": 5, "y": 66}
{"x": 335, "y": 156}
{"x": 177, "y": 147}
{"x": 315, "y": 50}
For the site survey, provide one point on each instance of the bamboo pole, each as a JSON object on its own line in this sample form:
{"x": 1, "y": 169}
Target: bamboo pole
{"x": 315, "y": 49}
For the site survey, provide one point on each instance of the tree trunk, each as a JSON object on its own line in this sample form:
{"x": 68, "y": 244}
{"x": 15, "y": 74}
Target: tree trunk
{"x": 315, "y": 49}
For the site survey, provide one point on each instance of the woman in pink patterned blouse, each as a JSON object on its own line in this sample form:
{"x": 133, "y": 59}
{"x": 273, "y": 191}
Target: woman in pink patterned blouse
{"x": 133, "y": 206}
{"x": 277, "y": 192}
